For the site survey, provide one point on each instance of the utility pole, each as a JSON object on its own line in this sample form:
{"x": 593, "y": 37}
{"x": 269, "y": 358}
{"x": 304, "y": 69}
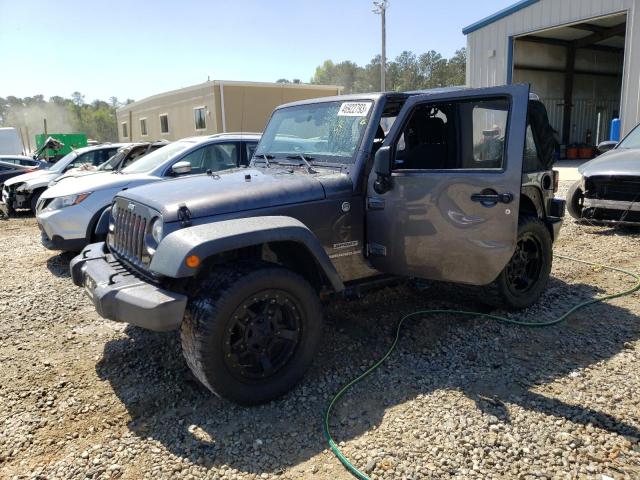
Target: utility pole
{"x": 380, "y": 8}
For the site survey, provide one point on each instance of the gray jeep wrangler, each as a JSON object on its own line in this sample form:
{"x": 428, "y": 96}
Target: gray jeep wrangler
{"x": 452, "y": 185}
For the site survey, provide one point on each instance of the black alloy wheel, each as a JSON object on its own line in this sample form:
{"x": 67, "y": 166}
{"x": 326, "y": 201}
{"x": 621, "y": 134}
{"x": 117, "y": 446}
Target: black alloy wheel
{"x": 263, "y": 335}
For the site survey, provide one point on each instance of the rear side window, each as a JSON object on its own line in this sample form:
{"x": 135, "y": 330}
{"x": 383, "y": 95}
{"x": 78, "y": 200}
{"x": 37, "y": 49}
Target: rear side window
{"x": 454, "y": 136}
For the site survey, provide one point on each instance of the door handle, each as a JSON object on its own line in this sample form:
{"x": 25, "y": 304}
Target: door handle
{"x": 492, "y": 198}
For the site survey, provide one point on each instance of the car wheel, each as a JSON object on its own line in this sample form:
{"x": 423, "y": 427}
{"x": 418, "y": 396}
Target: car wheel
{"x": 34, "y": 200}
{"x": 575, "y": 201}
{"x": 251, "y": 332}
{"x": 525, "y": 277}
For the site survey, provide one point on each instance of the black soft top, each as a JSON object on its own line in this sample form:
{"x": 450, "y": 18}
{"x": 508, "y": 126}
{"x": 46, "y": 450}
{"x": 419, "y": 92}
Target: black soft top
{"x": 544, "y": 135}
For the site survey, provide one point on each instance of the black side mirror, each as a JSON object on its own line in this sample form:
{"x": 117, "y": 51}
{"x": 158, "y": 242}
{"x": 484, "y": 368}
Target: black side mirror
{"x": 382, "y": 168}
{"x": 606, "y": 146}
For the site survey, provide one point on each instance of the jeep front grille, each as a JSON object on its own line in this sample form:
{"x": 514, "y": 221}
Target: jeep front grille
{"x": 130, "y": 227}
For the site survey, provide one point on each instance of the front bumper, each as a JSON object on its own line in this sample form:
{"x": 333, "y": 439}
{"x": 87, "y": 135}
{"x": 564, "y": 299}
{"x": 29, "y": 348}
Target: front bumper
{"x": 120, "y": 296}
{"x": 14, "y": 200}
{"x": 61, "y": 244}
{"x": 64, "y": 229}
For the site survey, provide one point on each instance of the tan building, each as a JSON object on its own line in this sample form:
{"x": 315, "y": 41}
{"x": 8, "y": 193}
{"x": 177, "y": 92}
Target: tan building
{"x": 212, "y": 107}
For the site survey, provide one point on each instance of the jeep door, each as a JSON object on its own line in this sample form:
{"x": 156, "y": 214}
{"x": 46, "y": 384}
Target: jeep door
{"x": 450, "y": 209}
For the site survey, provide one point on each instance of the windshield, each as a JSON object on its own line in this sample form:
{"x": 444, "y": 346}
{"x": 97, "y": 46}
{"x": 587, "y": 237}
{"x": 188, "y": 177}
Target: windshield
{"x": 113, "y": 161}
{"x": 632, "y": 140}
{"x": 329, "y": 132}
{"x": 157, "y": 158}
{"x": 60, "y": 165}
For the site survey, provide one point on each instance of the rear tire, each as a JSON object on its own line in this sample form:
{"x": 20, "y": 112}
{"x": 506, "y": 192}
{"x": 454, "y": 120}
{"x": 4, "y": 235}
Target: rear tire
{"x": 251, "y": 332}
{"x": 525, "y": 277}
{"x": 575, "y": 201}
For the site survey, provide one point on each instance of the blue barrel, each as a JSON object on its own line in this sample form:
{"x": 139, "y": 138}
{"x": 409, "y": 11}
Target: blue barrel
{"x": 615, "y": 130}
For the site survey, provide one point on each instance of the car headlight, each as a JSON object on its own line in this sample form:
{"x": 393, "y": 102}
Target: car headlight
{"x": 21, "y": 187}
{"x": 67, "y": 201}
{"x": 156, "y": 229}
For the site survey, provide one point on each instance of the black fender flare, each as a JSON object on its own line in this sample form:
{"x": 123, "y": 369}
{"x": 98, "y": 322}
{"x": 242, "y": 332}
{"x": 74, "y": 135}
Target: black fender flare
{"x": 210, "y": 239}
{"x": 99, "y": 225}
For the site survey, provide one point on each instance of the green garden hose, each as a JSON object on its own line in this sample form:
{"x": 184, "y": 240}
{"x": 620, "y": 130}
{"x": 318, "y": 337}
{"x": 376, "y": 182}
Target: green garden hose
{"x": 332, "y": 444}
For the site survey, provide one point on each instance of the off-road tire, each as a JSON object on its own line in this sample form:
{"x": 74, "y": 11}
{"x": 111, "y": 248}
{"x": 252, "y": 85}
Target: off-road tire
{"x": 575, "y": 197}
{"x": 33, "y": 203}
{"x": 208, "y": 319}
{"x": 501, "y": 293}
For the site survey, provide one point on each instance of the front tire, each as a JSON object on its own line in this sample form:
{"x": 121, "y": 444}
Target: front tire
{"x": 575, "y": 201}
{"x": 251, "y": 332}
{"x": 34, "y": 200}
{"x": 525, "y": 277}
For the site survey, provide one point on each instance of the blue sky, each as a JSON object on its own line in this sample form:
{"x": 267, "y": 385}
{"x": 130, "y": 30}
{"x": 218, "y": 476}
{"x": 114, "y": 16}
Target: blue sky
{"x": 135, "y": 48}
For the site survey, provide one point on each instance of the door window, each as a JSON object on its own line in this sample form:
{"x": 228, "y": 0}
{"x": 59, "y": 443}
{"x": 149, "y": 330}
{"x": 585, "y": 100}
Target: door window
{"x": 216, "y": 157}
{"x": 220, "y": 156}
{"x": 85, "y": 158}
{"x": 454, "y": 136}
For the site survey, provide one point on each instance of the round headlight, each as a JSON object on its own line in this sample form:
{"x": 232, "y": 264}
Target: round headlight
{"x": 156, "y": 229}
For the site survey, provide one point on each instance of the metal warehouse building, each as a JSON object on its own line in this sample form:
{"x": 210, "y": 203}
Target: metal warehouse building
{"x": 211, "y": 107}
{"x": 582, "y": 57}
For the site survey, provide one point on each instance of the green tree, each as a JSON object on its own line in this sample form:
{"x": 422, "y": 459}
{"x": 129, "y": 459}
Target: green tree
{"x": 407, "y": 71}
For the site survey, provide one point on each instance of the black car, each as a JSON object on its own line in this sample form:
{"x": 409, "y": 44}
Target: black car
{"x": 24, "y": 161}
{"x": 9, "y": 170}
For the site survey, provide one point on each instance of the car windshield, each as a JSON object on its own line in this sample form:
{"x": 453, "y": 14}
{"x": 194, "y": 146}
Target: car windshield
{"x": 632, "y": 140}
{"x": 324, "y": 132}
{"x": 157, "y": 158}
{"x": 60, "y": 165}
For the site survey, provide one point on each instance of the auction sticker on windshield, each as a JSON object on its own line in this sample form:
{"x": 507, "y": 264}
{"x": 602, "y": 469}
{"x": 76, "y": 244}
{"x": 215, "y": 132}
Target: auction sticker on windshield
{"x": 354, "y": 109}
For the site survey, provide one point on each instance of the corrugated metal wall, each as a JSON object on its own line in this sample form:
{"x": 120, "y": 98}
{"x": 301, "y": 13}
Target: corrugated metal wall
{"x": 488, "y": 47}
{"x": 585, "y": 116}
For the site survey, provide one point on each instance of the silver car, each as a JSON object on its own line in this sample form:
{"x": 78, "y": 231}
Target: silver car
{"x": 70, "y": 213}
{"x": 609, "y": 188}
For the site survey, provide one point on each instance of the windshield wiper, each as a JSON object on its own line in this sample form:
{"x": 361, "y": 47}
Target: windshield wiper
{"x": 266, "y": 157}
{"x": 305, "y": 158}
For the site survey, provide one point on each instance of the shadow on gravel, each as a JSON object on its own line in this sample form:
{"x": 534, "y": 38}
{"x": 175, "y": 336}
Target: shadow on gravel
{"x": 608, "y": 229}
{"x": 495, "y": 365}
{"x": 59, "y": 264}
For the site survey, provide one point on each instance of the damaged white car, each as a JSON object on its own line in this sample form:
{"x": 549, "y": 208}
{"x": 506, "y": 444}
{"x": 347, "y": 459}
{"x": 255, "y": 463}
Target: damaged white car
{"x": 23, "y": 191}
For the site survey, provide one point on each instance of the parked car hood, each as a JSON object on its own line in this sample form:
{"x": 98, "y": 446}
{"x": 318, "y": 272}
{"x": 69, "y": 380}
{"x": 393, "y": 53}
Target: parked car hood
{"x": 39, "y": 176}
{"x": 620, "y": 161}
{"x": 75, "y": 173}
{"x": 99, "y": 181}
{"x": 234, "y": 191}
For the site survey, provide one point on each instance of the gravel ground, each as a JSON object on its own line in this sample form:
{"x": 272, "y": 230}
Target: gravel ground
{"x": 81, "y": 397}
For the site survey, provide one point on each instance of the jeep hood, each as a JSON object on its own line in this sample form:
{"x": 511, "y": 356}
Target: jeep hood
{"x": 235, "y": 191}
{"x": 99, "y": 181}
{"x": 619, "y": 161}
